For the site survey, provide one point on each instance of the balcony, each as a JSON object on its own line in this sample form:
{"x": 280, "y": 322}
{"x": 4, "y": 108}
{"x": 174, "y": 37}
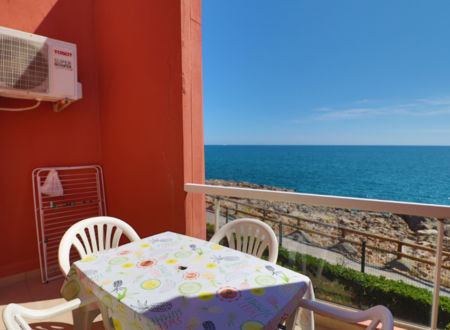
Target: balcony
{"x": 307, "y": 225}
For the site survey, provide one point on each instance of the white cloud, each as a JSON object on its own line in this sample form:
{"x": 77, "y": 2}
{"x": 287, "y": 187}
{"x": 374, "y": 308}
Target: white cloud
{"x": 300, "y": 121}
{"x": 323, "y": 109}
{"x": 437, "y": 131}
{"x": 423, "y": 112}
{"x": 363, "y": 101}
{"x": 348, "y": 113}
{"x": 420, "y": 107}
{"x": 436, "y": 101}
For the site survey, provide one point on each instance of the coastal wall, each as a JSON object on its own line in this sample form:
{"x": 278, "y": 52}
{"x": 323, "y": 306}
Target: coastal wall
{"x": 140, "y": 117}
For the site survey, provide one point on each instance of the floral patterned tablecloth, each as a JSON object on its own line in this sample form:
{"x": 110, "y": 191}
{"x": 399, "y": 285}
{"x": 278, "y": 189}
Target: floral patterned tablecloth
{"x": 172, "y": 281}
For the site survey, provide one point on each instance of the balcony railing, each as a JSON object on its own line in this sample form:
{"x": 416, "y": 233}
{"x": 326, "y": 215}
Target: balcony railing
{"x": 416, "y": 209}
{"x": 232, "y": 209}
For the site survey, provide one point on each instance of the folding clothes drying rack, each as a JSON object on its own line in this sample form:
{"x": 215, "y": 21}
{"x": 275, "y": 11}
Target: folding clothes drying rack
{"x": 83, "y": 196}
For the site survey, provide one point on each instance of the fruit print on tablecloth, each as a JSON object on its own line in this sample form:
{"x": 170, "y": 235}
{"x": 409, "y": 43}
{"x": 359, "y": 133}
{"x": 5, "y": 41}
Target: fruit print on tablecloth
{"x": 117, "y": 324}
{"x": 117, "y": 260}
{"x": 147, "y": 263}
{"x": 208, "y": 325}
{"x": 89, "y": 259}
{"x": 189, "y": 288}
{"x": 265, "y": 280}
{"x": 258, "y": 291}
{"x": 193, "y": 323}
{"x": 183, "y": 254}
{"x": 191, "y": 276}
{"x": 127, "y": 265}
{"x": 150, "y": 284}
{"x": 205, "y": 296}
{"x": 252, "y": 325}
{"x": 228, "y": 293}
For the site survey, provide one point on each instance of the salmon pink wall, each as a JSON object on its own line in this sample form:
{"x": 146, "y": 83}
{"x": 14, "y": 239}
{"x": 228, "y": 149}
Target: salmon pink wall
{"x": 137, "y": 118}
{"x": 194, "y": 162}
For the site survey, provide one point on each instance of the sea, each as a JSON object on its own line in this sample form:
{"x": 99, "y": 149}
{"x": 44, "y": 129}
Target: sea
{"x": 418, "y": 174}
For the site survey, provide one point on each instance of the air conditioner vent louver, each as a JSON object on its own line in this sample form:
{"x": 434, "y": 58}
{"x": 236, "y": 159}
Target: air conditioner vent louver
{"x": 23, "y": 64}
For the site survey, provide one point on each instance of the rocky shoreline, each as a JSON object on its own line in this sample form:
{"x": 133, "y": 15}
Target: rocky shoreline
{"x": 415, "y": 230}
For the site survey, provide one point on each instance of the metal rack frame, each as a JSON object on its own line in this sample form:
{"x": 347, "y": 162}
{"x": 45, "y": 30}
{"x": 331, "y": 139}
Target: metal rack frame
{"x": 84, "y": 197}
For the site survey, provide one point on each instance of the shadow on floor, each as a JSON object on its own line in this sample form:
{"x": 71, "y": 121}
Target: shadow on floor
{"x": 61, "y": 326}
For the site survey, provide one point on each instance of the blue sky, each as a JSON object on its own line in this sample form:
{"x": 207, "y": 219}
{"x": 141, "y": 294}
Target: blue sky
{"x": 326, "y": 72}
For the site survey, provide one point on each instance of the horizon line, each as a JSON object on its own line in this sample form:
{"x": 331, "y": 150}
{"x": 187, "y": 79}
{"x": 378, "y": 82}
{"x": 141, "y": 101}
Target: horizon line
{"x": 330, "y": 145}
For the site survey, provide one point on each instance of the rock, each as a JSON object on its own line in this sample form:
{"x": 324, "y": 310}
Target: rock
{"x": 403, "y": 265}
{"x": 407, "y": 228}
{"x": 427, "y": 232}
{"x": 416, "y": 223}
{"x": 301, "y": 236}
{"x": 447, "y": 230}
{"x": 345, "y": 248}
{"x": 297, "y": 213}
{"x": 243, "y": 184}
{"x": 283, "y": 209}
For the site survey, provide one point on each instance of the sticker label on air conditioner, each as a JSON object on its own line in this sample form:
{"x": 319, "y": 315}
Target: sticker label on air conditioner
{"x": 63, "y": 60}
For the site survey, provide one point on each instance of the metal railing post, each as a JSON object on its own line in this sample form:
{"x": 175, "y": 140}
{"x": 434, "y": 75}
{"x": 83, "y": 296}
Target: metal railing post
{"x": 217, "y": 214}
{"x": 226, "y": 215}
{"x": 363, "y": 256}
{"x": 399, "y": 250}
{"x": 281, "y": 233}
{"x": 342, "y": 234}
{"x": 437, "y": 274}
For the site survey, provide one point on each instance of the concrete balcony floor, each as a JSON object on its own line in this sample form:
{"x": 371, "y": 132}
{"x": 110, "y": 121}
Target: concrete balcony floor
{"x": 28, "y": 290}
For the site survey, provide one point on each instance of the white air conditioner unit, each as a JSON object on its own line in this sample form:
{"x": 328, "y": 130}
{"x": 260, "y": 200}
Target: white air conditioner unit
{"x": 37, "y": 67}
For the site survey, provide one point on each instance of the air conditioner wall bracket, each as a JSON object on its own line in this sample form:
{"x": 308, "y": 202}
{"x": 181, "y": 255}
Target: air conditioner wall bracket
{"x": 61, "y": 104}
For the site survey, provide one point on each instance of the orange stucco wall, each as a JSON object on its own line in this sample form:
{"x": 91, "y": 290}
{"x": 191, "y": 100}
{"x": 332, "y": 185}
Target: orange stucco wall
{"x": 132, "y": 120}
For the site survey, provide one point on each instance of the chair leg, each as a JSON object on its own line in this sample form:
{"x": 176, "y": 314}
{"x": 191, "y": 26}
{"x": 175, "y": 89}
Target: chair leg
{"x": 83, "y": 318}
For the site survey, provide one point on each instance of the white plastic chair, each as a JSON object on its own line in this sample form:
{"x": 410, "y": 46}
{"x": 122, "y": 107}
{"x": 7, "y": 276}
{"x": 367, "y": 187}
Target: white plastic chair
{"x": 90, "y": 236}
{"x": 251, "y": 236}
{"x": 377, "y": 314}
{"x": 102, "y": 236}
{"x": 13, "y": 314}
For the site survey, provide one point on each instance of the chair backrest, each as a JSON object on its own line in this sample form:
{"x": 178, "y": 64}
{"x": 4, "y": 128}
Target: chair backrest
{"x": 377, "y": 314}
{"x": 13, "y": 314}
{"x": 93, "y": 235}
{"x": 251, "y": 236}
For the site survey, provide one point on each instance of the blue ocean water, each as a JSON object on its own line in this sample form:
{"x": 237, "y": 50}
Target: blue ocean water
{"x": 399, "y": 173}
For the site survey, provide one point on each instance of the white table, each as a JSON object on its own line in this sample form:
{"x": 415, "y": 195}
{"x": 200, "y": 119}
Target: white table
{"x": 172, "y": 281}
